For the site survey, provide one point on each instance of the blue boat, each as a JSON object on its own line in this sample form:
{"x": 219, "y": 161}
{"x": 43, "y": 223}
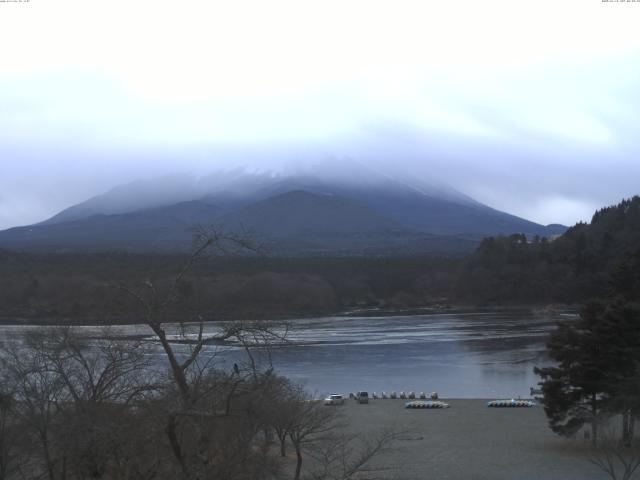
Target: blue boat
{"x": 426, "y": 404}
{"x": 510, "y": 403}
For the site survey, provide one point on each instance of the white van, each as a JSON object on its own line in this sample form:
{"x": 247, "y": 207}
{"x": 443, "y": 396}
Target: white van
{"x": 362, "y": 397}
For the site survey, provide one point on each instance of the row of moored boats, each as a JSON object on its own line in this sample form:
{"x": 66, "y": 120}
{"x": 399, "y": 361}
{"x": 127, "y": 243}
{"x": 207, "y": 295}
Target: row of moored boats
{"x": 511, "y": 403}
{"x": 402, "y": 395}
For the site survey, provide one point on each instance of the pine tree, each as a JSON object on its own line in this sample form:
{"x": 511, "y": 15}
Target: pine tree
{"x": 598, "y": 365}
{"x": 575, "y": 391}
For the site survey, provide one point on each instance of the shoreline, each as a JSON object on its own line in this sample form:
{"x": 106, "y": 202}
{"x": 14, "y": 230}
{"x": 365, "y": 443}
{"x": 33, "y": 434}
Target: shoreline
{"x": 376, "y": 312}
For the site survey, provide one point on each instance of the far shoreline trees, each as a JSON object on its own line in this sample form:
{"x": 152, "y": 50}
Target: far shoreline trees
{"x": 510, "y": 270}
{"x": 574, "y": 268}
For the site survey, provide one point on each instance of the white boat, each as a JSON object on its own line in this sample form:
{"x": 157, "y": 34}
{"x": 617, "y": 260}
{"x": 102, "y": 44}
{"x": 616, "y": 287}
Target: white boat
{"x": 510, "y": 403}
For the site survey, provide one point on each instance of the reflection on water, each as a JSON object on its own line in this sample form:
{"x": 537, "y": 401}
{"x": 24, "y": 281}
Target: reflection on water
{"x": 464, "y": 355}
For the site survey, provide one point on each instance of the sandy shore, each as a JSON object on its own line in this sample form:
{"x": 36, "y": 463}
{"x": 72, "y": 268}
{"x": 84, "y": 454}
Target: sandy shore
{"x": 471, "y": 441}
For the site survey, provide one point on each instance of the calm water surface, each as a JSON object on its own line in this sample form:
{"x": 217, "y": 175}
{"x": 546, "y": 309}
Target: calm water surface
{"x": 463, "y": 355}
{"x": 474, "y": 355}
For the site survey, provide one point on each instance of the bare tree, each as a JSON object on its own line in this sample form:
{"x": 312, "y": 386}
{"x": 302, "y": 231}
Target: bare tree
{"x": 103, "y": 378}
{"x": 11, "y": 438}
{"x": 256, "y": 337}
{"x": 280, "y": 412}
{"x": 195, "y": 423}
{"x": 345, "y": 455}
{"x": 156, "y": 305}
{"x": 615, "y": 457}
{"x": 39, "y": 395}
{"x": 311, "y": 423}
{"x": 69, "y": 395}
{"x": 321, "y": 433}
{"x": 96, "y": 407}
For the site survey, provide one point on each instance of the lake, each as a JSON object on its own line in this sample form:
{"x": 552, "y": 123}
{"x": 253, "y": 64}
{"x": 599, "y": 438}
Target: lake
{"x": 461, "y": 355}
{"x": 485, "y": 354}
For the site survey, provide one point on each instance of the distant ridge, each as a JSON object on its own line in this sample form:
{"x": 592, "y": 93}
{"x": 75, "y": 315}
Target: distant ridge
{"x": 359, "y": 212}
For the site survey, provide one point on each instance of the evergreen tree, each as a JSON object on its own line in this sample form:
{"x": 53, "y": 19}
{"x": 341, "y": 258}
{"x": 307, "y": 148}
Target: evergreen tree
{"x": 622, "y": 319}
{"x": 598, "y": 365}
{"x": 575, "y": 391}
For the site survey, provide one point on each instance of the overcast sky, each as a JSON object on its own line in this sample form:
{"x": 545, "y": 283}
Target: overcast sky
{"x": 532, "y": 107}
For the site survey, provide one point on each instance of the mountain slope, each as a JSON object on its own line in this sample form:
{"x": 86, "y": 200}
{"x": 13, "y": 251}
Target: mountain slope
{"x": 164, "y": 228}
{"x": 437, "y": 210}
{"x": 302, "y": 216}
{"x": 358, "y": 211}
{"x": 299, "y": 213}
{"x": 131, "y": 197}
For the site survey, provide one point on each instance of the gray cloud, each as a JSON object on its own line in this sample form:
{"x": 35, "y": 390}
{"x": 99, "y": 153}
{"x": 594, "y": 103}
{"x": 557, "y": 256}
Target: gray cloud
{"x": 550, "y": 143}
{"x": 537, "y": 182}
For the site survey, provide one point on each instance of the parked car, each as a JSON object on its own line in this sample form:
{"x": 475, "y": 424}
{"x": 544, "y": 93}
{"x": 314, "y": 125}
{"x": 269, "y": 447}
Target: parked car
{"x": 334, "y": 400}
{"x": 362, "y": 397}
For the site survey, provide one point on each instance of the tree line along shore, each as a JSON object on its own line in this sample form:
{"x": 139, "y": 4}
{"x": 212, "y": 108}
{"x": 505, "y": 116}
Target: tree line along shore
{"x": 507, "y": 270}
